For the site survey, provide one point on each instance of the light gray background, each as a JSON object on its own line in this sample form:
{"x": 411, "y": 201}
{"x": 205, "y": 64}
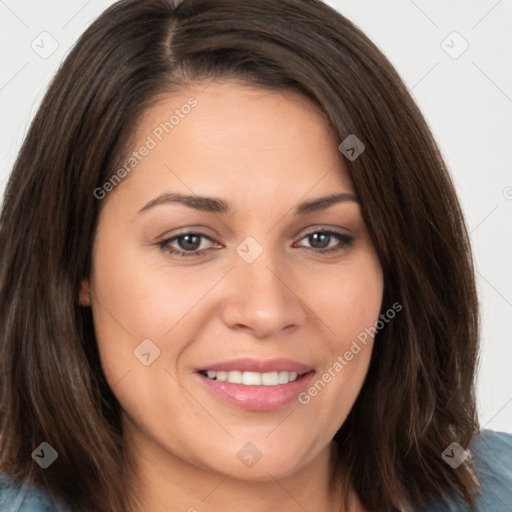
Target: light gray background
{"x": 466, "y": 98}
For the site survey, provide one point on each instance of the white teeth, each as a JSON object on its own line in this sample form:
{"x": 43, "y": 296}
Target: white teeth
{"x": 235, "y": 377}
{"x": 270, "y": 379}
{"x": 253, "y": 378}
{"x": 283, "y": 377}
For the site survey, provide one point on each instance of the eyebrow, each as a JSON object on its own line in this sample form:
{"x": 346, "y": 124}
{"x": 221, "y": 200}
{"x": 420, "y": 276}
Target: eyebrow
{"x": 215, "y": 205}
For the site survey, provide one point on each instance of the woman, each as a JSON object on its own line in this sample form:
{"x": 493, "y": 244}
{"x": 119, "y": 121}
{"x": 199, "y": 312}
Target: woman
{"x": 235, "y": 276}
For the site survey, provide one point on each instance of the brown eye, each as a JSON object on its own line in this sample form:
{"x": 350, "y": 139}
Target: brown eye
{"x": 189, "y": 242}
{"x": 321, "y": 241}
{"x": 185, "y": 245}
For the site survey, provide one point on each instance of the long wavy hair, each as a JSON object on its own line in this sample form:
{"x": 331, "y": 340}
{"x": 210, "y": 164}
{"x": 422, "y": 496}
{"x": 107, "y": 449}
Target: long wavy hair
{"x": 418, "y": 396}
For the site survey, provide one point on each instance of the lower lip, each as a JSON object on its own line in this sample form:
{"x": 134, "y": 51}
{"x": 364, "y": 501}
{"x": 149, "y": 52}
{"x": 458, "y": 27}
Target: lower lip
{"x": 258, "y": 398}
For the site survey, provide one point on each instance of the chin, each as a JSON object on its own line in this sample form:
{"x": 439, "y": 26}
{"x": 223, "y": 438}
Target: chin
{"x": 252, "y": 464}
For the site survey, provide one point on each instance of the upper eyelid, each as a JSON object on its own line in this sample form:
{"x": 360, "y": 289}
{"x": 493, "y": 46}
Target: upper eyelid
{"x": 306, "y": 231}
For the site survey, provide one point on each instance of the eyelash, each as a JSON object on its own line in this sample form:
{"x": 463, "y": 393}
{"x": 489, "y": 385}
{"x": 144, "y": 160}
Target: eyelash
{"x": 165, "y": 244}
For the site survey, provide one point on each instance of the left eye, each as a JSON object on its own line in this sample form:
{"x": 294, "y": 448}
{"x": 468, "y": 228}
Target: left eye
{"x": 320, "y": 240}
{"x": 189, "y": 244}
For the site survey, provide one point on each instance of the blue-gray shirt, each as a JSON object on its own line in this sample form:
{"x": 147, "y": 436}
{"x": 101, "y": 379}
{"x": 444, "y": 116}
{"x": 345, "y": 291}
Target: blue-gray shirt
{"x": 492, "y": 453}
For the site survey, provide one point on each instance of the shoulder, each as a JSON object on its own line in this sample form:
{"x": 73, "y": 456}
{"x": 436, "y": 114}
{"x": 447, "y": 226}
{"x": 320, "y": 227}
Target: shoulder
{"x": 17, "y": 497}
{"x": 492, "y": 457}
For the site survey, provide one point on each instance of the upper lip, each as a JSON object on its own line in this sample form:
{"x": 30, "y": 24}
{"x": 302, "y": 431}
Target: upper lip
{"x": 258, "y": 365}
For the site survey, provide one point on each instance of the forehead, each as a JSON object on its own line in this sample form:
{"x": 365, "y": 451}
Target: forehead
{"x": 225, "y": 134}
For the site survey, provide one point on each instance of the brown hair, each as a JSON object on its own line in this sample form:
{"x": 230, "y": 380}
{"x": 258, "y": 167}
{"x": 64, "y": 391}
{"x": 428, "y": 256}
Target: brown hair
{"x": 418, "y": 396}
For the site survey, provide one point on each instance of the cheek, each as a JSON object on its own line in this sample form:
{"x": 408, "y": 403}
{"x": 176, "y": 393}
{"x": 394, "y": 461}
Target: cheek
{"x": 349, "y": 306}
{"x": 145, "y": 295}
{"x": 137, "y": 298}
{"x": 349, "y": 301}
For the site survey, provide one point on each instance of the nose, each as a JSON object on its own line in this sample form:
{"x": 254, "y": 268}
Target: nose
{"x": 262, "y": 300}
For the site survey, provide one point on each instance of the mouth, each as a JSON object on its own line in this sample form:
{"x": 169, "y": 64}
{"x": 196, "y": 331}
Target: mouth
{"x": 256, "y": 385}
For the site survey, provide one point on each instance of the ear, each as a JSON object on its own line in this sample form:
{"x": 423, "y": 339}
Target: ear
{"x": 84, "y": 296}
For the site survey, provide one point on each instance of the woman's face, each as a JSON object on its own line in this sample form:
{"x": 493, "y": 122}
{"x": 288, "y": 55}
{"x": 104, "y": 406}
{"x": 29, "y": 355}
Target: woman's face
{"x": 260, "y": 284}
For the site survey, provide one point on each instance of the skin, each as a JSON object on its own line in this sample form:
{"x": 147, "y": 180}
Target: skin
{"x": 263, "y": 153}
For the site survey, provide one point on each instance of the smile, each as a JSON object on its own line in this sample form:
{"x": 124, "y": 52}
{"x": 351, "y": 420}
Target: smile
{"x": 256, "y": 385}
